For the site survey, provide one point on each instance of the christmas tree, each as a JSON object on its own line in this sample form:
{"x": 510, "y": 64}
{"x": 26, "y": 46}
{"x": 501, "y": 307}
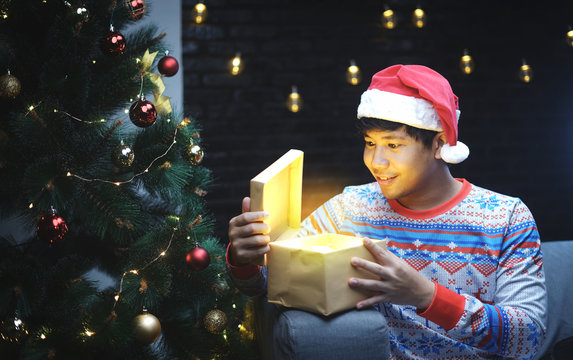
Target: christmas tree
{"x": 104, "y": 178}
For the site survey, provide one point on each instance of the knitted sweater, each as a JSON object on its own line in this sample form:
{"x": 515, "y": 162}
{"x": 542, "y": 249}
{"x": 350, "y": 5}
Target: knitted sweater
{"x": 481, "y": 249}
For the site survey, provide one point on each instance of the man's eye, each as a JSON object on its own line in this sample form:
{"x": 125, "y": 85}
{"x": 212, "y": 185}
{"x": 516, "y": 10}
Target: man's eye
{"x": 369, "y": 143}
{"x": 393, "y": 146}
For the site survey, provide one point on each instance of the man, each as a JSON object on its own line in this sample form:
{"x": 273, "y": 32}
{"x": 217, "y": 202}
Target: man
{"x": 462, "y": 273}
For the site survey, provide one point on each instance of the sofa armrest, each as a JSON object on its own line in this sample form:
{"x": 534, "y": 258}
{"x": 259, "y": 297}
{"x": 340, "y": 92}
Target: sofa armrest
{"x": 557, "y": 264}
{"x": 284, "y": 333}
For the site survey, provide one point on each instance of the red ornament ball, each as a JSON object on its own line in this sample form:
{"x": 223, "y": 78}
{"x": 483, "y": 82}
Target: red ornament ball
{"x": 142, "y": 113}
{"x": 51, "y": 227}
{"x": 198, "y": 258}
{"x": 168, "y": 66}
{"x": 136, "y": 8}
{"x": 113, "y": 43}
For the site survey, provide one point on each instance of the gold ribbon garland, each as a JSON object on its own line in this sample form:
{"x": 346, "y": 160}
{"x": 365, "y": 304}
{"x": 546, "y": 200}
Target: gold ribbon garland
{"x": 162, "y": 103}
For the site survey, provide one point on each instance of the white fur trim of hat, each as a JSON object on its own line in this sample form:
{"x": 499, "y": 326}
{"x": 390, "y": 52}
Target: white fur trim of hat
{"x": 432, "y": 92}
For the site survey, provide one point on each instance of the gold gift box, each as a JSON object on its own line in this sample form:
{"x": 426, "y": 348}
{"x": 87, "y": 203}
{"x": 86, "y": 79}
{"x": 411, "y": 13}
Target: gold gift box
{"x": 311, "y": 272}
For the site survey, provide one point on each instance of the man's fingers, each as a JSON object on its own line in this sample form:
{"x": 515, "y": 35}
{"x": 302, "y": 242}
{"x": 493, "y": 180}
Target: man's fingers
{"x": 249, "y": 217}
{"x": 367, "y": 284}
{"x": 246, "y": 205}
{"x": 380, "y": 254}
{"x": 369, "y": 266}
{"x": 250, "y": 230}
{"x": 371, "y": 286}
{"x": 371, "y": 301}
{"x": 257, "y": 240}
{"x": 251, "y": 254}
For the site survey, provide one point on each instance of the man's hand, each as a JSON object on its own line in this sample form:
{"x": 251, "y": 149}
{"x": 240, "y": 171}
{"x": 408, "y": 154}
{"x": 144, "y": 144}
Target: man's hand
{"x": 248, "y": 235}
{"x": 397, "y": 282}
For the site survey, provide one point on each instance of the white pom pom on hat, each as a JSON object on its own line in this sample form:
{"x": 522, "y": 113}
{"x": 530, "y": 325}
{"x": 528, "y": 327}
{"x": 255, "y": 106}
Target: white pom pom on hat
{"x": 418, "y": 96}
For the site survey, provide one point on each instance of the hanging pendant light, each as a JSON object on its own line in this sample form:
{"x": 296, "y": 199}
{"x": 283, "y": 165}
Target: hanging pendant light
{"x": 525, "y": 72}
{"x": 389, "y": 20}
{"x": 353, "y": 74}
{"x": 467, "y": 63}
{"x": 199, "y": 13}
{"x": 236, "y": 65}
{"x": 294, "y": 100}
{"x": 419, "y": 17}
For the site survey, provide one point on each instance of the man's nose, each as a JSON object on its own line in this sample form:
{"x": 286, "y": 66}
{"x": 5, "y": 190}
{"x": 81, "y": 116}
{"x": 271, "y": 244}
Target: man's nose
{"x": 380, "y": 159}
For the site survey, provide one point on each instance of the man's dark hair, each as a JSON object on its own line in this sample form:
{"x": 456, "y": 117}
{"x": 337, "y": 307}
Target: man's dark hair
{"x": 422, "y": 135}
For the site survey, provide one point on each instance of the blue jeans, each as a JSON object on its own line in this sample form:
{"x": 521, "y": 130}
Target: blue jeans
{"x": 284, "y": 333}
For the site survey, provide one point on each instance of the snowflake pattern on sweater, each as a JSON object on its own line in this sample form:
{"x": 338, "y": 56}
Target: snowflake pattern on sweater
{"x": 483, "y": 248}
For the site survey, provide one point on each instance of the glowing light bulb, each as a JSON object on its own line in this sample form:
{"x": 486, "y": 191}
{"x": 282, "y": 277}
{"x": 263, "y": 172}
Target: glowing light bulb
{"x": 467, "y": 63}
{"x": 419, "y": 18}
{"x": 353, "y": 73}
{"x": 569, "y": 37}
{"x": 525, "y": 72}
{"x": 199, "y": 13}
{"x": 389, "y": 20}
{"x": 236, "y": 65}
{"x": 294, "y": 101}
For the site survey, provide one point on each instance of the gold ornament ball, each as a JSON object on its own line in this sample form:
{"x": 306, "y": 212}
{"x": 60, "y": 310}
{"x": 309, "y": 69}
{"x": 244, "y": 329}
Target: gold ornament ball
{"x": 195, "y": 154}
{"x": 10, "y": 86}
{"x": 215, "y": 321}
{"x": 147, "y": 328}
{"x": 122, "y": 156}
{"x": 12, "y": 330}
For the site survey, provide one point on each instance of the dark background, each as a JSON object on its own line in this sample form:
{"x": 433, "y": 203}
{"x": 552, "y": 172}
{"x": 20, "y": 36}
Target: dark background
{"x": 519, "y": 134}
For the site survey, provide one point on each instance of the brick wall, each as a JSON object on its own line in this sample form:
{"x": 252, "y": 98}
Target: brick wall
{"x": 519, "y": 134}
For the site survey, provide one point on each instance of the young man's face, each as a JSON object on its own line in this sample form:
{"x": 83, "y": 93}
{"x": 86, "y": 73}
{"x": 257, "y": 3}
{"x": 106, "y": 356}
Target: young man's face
{"x": 402, "y": 166}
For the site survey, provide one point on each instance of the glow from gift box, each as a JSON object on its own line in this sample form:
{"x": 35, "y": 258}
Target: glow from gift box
{"x": 324, "y": 243}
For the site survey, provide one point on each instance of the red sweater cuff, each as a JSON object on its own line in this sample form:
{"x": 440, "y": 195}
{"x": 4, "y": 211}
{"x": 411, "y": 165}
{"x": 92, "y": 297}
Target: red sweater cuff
{"x": 446, "y": 309}
{"x": 241, "y": 272}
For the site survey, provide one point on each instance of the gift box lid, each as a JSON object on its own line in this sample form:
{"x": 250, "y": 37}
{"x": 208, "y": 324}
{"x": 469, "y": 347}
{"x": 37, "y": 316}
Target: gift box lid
{"x": 278, "y": 190}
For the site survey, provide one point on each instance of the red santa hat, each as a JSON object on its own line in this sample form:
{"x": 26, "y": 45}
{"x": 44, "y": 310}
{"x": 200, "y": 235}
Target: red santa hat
{"x": 417, "y": 96}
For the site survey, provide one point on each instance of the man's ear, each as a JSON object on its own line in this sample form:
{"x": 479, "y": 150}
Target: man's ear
{"x": 439, "y": 141}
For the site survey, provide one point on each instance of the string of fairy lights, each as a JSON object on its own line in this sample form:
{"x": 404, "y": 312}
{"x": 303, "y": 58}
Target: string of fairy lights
{"x": 145, "y": 321}
{"x": 389, "y": 20}
{"x": 146, "y": 62}
{"x": 294, "y": 104}
{"x": 136, "y": 271}
{"x": 147, "y": 326}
